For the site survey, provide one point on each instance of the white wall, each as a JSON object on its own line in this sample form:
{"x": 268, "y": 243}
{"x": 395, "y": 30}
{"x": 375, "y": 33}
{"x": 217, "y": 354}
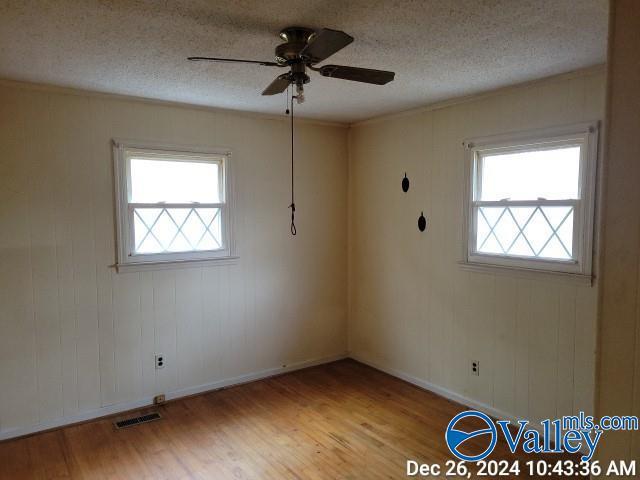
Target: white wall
{"x": 78, "y": 339}
{"x": 414, "y": 311}
{"x": 618, "y": 385}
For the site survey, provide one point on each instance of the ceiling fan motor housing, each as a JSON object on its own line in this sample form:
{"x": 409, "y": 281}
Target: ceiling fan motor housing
{"x": 296, "y": 38}
{"x": 288, "y": 53}
{"x": 298, "y": 74}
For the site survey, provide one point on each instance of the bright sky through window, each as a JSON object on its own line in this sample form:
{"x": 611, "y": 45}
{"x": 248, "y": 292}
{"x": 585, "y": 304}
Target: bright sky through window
{"x": 174, "y": 181}
{"x": 552, "y": 174}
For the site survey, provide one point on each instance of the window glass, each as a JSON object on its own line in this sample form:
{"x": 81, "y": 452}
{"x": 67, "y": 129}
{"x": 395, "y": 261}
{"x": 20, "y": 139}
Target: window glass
{"x": 552, "y": 174}
{"x": 174, "y": 181}
{"x": 162, "y": 230}
{"x": 538, "y": 232}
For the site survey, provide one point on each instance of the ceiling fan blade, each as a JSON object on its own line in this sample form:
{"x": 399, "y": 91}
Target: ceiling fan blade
{"x": 325, "y": 44}
{"x": 366, "y": 75}
{"x": 279, "y": 85}
{"x": 233, "y": 60}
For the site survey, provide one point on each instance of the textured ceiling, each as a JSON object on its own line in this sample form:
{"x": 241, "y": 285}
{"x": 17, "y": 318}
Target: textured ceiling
{"x": 439, "y": 49}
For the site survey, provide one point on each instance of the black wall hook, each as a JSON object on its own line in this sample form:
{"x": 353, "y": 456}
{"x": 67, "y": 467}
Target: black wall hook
{"x": 422, "y": 222}
{"x": 405, "y": 183}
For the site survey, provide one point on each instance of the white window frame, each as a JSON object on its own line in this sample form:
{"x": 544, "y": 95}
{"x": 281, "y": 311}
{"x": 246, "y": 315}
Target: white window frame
{"x": 583, "y": 134}
{"x": 128, "y": 260}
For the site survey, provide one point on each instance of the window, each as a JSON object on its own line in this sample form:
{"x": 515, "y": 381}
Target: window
{"x": 531, "y": 200}
{"x": 172, "y": 204}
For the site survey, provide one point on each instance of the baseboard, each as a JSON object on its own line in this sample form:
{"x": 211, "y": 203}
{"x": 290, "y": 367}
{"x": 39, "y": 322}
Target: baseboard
{"x": 438, "y": 390}
{"x": 175, "y": 394}
{"x": 448, "y": 394}
{"x": 251, "y": 377}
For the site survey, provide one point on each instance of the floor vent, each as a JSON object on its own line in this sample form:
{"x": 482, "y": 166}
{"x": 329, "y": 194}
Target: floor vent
{"x": 130, "y": 422}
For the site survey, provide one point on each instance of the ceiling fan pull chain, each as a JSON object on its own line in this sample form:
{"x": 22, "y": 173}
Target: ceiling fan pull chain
{"x": 286, "y": 102}
{"x": 293, "y": 203}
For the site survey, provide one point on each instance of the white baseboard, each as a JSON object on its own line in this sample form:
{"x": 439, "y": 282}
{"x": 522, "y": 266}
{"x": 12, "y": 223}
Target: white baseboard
{"x": 448, "y": 394}
{"x": 148, "y": 401}
{"x": 443, "y": 392}
{"x": 251, "y": 377}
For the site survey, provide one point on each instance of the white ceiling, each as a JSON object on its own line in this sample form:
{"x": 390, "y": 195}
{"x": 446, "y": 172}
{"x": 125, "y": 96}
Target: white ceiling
{"x": 439, "y": 49}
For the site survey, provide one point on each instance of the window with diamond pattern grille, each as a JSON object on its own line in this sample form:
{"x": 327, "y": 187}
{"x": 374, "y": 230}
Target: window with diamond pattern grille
{"x": 173, "y": 205}
{"x": 531, "y": 203}
{"x": 158, "y": 230}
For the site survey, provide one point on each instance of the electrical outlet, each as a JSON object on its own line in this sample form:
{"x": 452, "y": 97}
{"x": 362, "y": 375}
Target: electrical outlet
{"x": 475, "y": 368}
{"x": 159, "y": 399}
{"x": 159, "y": 361}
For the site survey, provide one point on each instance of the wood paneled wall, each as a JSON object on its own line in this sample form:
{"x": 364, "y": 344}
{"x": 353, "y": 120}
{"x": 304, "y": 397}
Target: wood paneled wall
{"x": 413, "y": 310}
{"x": 77, "y": 338}
{"x": 619, "y": 362}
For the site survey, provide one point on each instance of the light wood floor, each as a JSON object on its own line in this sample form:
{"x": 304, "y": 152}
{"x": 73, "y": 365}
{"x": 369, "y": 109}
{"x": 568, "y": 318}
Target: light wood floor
{"x": 343, "y": 420}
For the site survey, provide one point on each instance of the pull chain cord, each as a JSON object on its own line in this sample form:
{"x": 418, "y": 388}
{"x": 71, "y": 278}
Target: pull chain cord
{"x": 293, "y": 203}
{"x": 286, "y": 102}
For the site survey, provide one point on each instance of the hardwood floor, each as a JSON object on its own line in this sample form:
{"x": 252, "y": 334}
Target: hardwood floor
{"x": 338, "y": 421}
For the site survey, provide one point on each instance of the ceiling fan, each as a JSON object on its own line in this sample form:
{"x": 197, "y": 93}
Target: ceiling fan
{"x": 304, "y": 48}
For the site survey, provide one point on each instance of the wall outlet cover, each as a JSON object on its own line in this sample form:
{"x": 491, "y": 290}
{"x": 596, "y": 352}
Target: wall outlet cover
{"x": 159, "y": 359}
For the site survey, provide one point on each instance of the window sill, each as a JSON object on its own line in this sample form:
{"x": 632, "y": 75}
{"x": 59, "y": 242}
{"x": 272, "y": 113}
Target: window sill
{"x": 529, "y": 273}
{"x": 174, "y": 264}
